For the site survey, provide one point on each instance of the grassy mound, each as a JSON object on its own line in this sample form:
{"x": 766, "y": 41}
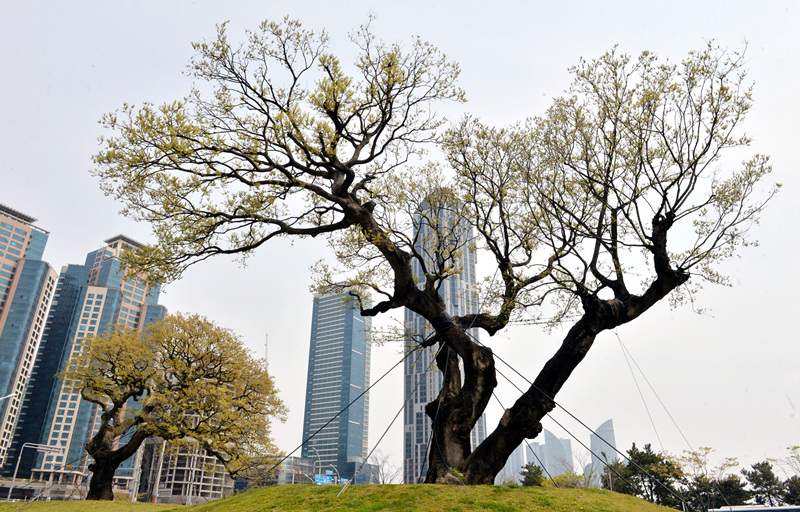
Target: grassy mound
{"x": 291, "y": 498}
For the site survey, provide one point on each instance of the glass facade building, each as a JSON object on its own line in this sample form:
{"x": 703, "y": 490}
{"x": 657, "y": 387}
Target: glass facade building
{"x": 554, "y": 455}
{"x": 604, "y": 451}
{"x": 338, "y": 372}
{"x": 88, "y": 299}
{"x": 437, "y": 235}
{"x": 26, "y": 289}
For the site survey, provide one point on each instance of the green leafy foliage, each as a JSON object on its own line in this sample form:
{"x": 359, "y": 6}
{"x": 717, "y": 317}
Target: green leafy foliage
{"x": 765, "y": 487}
{"x": 531, "y": 475}
{"x": 651, "y": 476}
{"x": 183, "y": 379}
{"x": 621, "y": 190}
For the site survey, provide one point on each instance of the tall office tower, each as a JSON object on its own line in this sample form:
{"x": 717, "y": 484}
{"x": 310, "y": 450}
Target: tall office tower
{"x": 26, "y": 288}
{"x": 554, "y": 455}
{"x": 338, "y": 371}
{"x": 604, "y": 451}
{"x": 435, "y": 228}
{"x": 88, "y": 299}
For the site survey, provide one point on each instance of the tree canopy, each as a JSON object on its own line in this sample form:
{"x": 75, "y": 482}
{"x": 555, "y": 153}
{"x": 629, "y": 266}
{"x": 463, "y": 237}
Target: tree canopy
{"x": 184, "y": 379}
{"x": 618, "y": 196}
{"x": 766, "y": 487}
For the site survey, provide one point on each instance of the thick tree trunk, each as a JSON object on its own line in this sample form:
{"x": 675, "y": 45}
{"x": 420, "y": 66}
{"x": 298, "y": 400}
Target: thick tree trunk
{"x": 108, "y": 455}
{"x": 523, "y": 420}
{"x": 102, "y": 479}
{"x": 457, "y": 408}
{"x": 449, "y": 447}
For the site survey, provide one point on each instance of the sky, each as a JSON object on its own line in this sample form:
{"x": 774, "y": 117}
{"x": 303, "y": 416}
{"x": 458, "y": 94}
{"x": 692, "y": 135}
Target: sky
{"x": 727, "y": 379}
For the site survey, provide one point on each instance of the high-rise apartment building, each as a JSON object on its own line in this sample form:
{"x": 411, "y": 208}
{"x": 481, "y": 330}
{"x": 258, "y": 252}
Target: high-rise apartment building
{"x": 438, "y": 234}
{"x": 338, "y": 372}
{"x": 88, "y": 299}
{"x": 26, "y": 288}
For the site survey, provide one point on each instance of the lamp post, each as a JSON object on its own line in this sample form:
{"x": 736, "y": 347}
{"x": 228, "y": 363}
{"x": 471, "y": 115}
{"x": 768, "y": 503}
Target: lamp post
{"x": 318, "y": 460}
{"x": 338, "y": 478}
{"x": 39, "y": 448}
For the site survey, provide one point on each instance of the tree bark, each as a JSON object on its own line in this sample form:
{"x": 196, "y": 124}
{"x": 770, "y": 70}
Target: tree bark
{"x": 107, "y": 459}
{"x": 523, "y": 420}
{"x": 458, "y": 407}
{"x": 102, "y": 479}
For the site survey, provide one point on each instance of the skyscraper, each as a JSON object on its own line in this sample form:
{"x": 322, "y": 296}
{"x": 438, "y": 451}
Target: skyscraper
{"x": 437, "y": 234}
{"x": 554, "y": 455}
{"x": 88, "y": 299}
{"x": 338, "y": 371}
{"x": 26, "y": 288}
{"x": 604, "y": 451}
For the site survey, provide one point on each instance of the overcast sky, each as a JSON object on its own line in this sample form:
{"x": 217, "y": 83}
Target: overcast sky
{"x": 730, "y": 379}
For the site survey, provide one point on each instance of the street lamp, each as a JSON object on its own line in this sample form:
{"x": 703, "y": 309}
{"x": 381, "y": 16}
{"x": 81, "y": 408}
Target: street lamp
{"x": 39, "y": 448}
{"x": 339, "y": 478}
{"x": 318, "y": 460}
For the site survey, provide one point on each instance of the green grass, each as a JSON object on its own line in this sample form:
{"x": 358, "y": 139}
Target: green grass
{"x": 296, "y": 498}
{"x": 86, "y": 506}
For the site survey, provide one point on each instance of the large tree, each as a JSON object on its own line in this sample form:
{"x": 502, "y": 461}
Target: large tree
{"x": 184, "y": 379}
{"x": 576, "y": 208}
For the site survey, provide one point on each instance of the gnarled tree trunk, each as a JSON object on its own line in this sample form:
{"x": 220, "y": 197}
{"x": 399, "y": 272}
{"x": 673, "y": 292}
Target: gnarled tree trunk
{"x": 102, "y": 479}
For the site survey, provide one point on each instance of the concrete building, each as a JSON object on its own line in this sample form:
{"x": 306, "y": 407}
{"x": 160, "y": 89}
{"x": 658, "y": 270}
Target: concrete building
{"x": 181, "y": 475}
{"x": 338, "y": 372}
{"x": 437, "y": 234}
{"x": 88, "y": 299}
{"x": 26, "y": 288}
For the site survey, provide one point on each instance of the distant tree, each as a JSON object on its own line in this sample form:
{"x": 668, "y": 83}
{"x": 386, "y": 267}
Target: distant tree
{"x": 531, "y": 475}
{"x": 387, "y": 472}
{"x": 791, "y": 494}
{"x": 703, "y": 493}
{"x": 612, "y": 476}
{"x": 791, "y": 467}
{"x": 709, "y": 487}
{"x": 732, "y": 492}
{"x": 613, "y": 200}
{"x": 569, "y": 480}
{"x": 765, "y": 487}
{"x": 650, "y": 476}
{"x": 183, "y": 379}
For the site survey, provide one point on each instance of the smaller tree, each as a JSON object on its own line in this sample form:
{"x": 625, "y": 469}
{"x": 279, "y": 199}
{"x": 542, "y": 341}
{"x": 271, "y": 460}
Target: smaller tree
{"x": 184, "y": 379}
{"x": 704, "y": 493}
{"x": 791, "y": 490}
{"x": 387, "y": 472}
{"x": 791, "y": 468}
{"x": 765, "y": 487}
{"x": 612, "y": 476}
{"x": 651, "y": 476}
{"x": 531, "y": 475}
{"x": 709, "y": 487}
